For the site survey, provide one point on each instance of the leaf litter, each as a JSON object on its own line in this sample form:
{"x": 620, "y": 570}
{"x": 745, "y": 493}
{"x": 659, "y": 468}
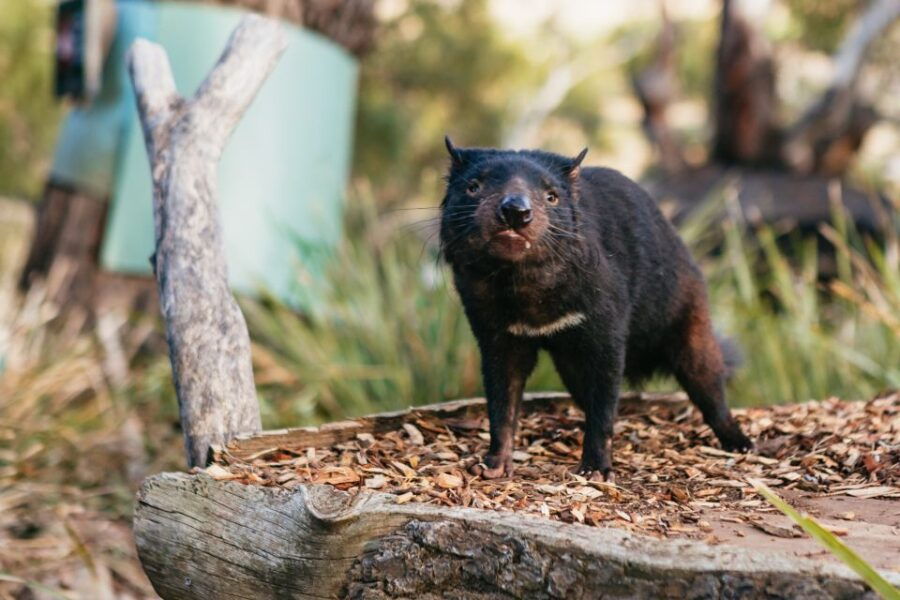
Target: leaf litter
{"x": 669, "y": 471}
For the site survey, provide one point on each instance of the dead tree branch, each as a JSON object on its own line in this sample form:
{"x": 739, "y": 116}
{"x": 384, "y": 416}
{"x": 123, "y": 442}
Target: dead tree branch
{"x": 827, "y": 135}
{"x": 209, "y": 346}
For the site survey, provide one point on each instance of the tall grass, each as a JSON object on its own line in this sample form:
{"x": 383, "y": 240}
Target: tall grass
{"x": 806, "y": 336}
{"x": 391, "y": 332}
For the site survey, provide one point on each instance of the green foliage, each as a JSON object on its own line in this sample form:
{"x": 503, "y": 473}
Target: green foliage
{"x": 804, "y": 338}
{"x": 28, "y": 112}
{"x": 390, "y": 334}
{"x": 821, "y": 24}
{"x": 831, "y": 543}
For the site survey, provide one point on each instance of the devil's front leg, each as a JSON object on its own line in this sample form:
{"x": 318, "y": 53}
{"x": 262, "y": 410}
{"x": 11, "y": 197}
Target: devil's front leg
{"x": 506, "y": 363}
{"x": 591, "y": 370}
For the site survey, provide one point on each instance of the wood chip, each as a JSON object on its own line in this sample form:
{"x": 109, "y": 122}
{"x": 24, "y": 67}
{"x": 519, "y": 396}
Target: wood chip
{"x": 882, "y": 491}
{"x": 219, "y": 473}
{"x": 376, "y": 483}
{"x": 448, "y": 481}
{"x": 671, "y": 478}
{"x": 777, "y": 530}
{"x": 415, "y": 436}
{"x": 404, "y": 498}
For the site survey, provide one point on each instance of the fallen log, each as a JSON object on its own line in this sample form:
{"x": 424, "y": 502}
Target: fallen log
{"x": 216, "y": 534}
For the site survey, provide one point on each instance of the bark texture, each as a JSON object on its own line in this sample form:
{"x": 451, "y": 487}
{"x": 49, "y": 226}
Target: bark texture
{"x": 65, "y": 246}
{"x": 209, "y": 346}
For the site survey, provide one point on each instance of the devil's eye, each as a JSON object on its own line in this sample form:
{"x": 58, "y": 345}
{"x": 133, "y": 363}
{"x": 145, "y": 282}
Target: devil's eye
{"x": 552, "y": 198}
{"x": 474, "y": 187}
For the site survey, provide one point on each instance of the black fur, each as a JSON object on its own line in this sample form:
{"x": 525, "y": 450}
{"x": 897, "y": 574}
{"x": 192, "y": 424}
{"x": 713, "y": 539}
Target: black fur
{"x": 596, "y": 246}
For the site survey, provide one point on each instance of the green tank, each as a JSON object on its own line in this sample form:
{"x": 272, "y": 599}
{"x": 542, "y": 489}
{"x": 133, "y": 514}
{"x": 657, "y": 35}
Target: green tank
{"x": 281, "y": 178}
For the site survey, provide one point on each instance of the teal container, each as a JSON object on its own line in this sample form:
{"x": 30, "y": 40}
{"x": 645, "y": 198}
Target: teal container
{"x": 281, "y": 178}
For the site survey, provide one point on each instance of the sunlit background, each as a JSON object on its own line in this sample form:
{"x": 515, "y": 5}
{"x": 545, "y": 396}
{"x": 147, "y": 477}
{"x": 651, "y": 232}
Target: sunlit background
{"x": 87, "y": 406}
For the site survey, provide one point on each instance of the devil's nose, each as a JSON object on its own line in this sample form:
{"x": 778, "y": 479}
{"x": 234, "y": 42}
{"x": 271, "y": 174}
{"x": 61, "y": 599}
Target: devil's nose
{"x": 515, "y": 211}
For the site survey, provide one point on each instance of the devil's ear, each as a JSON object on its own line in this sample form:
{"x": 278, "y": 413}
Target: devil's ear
{"x": 574, "y": 165}
{"x": 456, "y": 154}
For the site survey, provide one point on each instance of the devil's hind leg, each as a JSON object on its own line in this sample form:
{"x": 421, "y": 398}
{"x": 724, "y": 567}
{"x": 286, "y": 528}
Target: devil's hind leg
{"x": 698, "y": 365}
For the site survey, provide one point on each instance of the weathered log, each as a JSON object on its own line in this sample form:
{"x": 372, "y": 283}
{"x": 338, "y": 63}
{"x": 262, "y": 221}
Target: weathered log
{"x": 202, "y": 538}
{"x": 209, "y": 346}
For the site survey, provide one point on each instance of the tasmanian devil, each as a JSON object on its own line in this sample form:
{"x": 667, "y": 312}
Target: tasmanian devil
{"x": 580, "y": 262}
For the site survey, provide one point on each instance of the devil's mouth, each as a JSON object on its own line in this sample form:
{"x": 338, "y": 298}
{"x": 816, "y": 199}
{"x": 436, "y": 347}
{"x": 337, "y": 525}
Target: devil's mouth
{"x": 512, "y": 237}
{"x": 509, "y": 244}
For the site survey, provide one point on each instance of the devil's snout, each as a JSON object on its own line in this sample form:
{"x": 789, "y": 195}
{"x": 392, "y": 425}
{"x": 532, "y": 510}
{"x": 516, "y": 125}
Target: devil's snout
{"x": 515, "y": 211}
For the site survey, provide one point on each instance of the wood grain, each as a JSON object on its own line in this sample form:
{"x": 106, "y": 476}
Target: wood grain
{"x": 199, "y": 538}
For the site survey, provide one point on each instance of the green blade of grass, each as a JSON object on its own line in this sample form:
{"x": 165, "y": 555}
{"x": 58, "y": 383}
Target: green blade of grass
{"x": 853, "y": 560}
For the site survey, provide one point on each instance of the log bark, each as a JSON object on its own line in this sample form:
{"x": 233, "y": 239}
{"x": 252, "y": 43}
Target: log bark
{"x": 209, "y": 346}
{"x": 202, "y": 538}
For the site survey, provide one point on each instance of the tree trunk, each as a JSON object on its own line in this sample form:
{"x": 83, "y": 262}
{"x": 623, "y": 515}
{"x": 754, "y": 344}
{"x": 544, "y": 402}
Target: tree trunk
{"x": 209, "y": 346}
{"x": 65, "y": 246}
{"x": 745, "y": 103}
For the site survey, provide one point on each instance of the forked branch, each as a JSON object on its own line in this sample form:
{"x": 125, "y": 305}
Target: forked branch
{"x": 209, "y": 346}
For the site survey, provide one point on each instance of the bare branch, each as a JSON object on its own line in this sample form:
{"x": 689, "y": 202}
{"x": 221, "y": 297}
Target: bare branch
{"x": 209, "y": 346}
{"x": 154, "y": 88}
{"x": 849, "y": 57}
{"x": 829, "y": 132}
{"x": 250, "y": 55}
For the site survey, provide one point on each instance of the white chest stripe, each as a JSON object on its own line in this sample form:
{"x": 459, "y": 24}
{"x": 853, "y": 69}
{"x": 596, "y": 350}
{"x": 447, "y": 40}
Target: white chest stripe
{"x": 564, "y": 322}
